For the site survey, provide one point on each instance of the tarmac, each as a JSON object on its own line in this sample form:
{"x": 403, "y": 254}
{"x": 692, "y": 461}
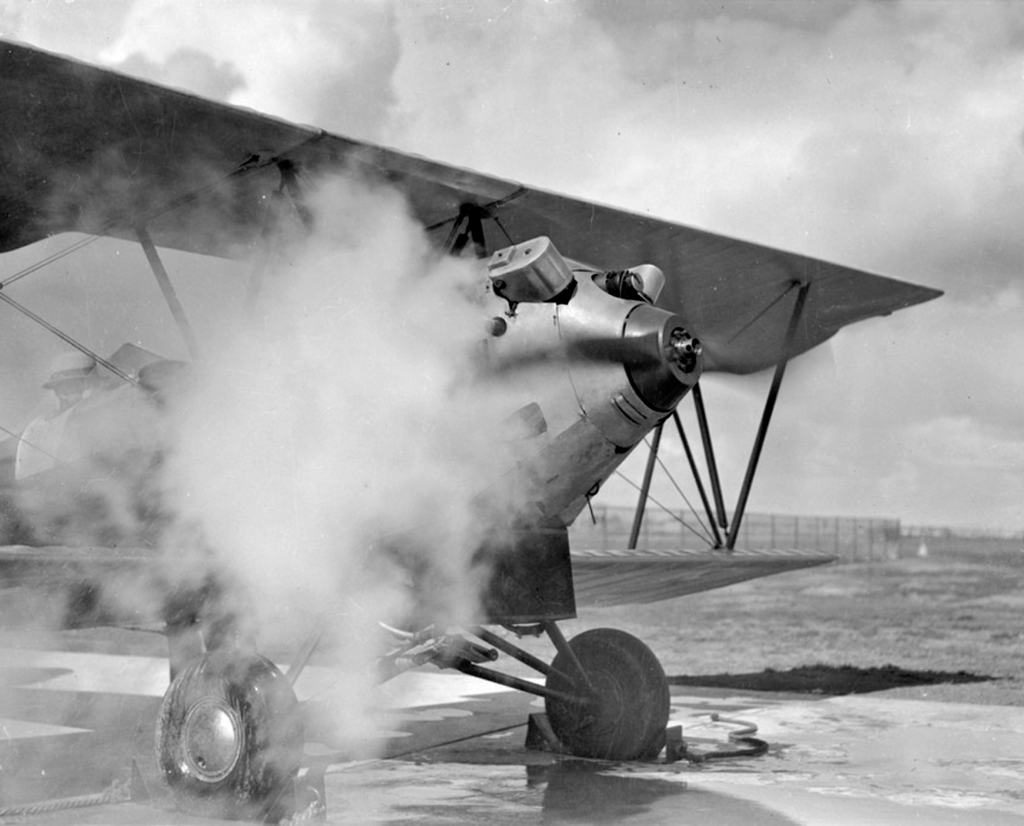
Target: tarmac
{"x": 77, "y": 724}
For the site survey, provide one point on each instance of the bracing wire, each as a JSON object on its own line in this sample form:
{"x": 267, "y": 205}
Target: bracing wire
{"x": 117, "y": 371}
{"x": 50, "y": 259}
{"x": 26, "y": 442}
{"x": 758, "y": 316}
{"x": 667, "y": 510}
{"x": 682, "y": 494}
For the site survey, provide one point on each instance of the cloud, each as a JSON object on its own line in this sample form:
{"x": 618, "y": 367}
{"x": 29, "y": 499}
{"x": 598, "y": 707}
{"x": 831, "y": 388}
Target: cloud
{"x": 188, "y": 69}
{"x": 78, "y": 29}
{"x": 317, "y": 62}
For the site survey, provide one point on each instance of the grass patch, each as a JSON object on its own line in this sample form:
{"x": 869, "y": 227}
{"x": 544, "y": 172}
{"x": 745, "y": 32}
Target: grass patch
{"x": 829, "y": 679}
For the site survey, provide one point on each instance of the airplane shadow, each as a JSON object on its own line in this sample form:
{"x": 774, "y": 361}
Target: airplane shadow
{"x": 27, "y": 675}
{"x": 585, "y": 792}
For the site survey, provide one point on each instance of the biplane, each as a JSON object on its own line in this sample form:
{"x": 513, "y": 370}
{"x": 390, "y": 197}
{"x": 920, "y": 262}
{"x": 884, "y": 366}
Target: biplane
{"x": 625, "y": 312}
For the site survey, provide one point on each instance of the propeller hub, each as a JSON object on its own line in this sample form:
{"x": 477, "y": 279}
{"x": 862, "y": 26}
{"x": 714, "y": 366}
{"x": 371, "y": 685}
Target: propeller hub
{"x": 666, "y": 362}
{"x": 683, "y": 350}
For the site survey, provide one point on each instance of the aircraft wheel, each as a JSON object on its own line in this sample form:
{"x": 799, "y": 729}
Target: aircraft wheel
{"x": 229, "y": 736}
{"x": 626, "y": 717}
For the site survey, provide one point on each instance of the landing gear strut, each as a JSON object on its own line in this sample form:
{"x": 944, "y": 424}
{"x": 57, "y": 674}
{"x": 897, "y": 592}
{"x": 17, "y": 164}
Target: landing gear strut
{"x": 605, "y": 693}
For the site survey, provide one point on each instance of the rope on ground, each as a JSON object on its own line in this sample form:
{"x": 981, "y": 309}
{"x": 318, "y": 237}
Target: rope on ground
{"x": 119, "y": 792}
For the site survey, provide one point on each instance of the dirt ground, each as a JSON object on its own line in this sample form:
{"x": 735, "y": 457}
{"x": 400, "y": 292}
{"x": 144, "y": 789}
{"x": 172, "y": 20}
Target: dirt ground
{"x": 947, "y": 626}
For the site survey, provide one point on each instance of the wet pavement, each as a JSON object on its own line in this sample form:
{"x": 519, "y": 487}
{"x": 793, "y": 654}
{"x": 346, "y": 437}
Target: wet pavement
{"x": 79, "y": 722}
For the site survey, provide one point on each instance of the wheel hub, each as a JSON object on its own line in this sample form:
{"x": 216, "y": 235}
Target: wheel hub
{"x": 212, "y": 738}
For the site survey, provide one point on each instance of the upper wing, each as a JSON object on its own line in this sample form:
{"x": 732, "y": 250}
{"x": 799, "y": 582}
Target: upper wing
{"x": 83, "y": 148}
{"x": 603, "y": 578}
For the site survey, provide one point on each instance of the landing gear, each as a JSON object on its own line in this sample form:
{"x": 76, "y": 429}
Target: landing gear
{"x": 229, "y": 736}
{"x": 610, "y": 697}
{"x": 605, "y": 692}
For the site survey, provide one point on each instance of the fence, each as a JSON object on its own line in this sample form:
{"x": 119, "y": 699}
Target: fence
{"x": 852, "y": 539}
{"x": 965, "y": 544}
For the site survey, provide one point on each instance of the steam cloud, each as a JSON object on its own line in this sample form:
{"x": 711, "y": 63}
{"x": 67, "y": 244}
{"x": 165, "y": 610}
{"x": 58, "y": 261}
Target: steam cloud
{"x": 338, "y": 418}
{"x": 325, "y": 459}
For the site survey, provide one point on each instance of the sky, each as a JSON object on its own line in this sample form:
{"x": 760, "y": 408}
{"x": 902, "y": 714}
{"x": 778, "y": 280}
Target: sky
{"x": 882, "y": 135}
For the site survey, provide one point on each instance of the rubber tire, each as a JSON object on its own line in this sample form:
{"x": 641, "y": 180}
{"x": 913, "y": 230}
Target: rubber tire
{"x": 229, "y": 737}
{"x": 630, "y": 714}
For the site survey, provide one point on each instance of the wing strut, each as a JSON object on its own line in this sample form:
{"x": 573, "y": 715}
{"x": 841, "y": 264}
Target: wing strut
{"x": 766, "y": 416}
{"x": 709, "y": 454}
{"x": 652, "y": 457}
{"x": 272, "y": 228}
{"x": 696, "y": 477}
{"x": 731, "y": 526}
{"x": 167, "y": 288}
{"x": 468, "y": 226}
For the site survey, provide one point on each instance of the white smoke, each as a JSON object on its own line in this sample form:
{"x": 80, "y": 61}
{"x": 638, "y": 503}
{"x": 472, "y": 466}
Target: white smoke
{"x": 331, "y": 419}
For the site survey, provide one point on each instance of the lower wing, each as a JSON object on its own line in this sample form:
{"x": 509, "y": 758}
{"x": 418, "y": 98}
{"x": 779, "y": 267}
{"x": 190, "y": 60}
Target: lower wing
{"x": 621, "y": 577}
{"x": 600, "y": 578}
